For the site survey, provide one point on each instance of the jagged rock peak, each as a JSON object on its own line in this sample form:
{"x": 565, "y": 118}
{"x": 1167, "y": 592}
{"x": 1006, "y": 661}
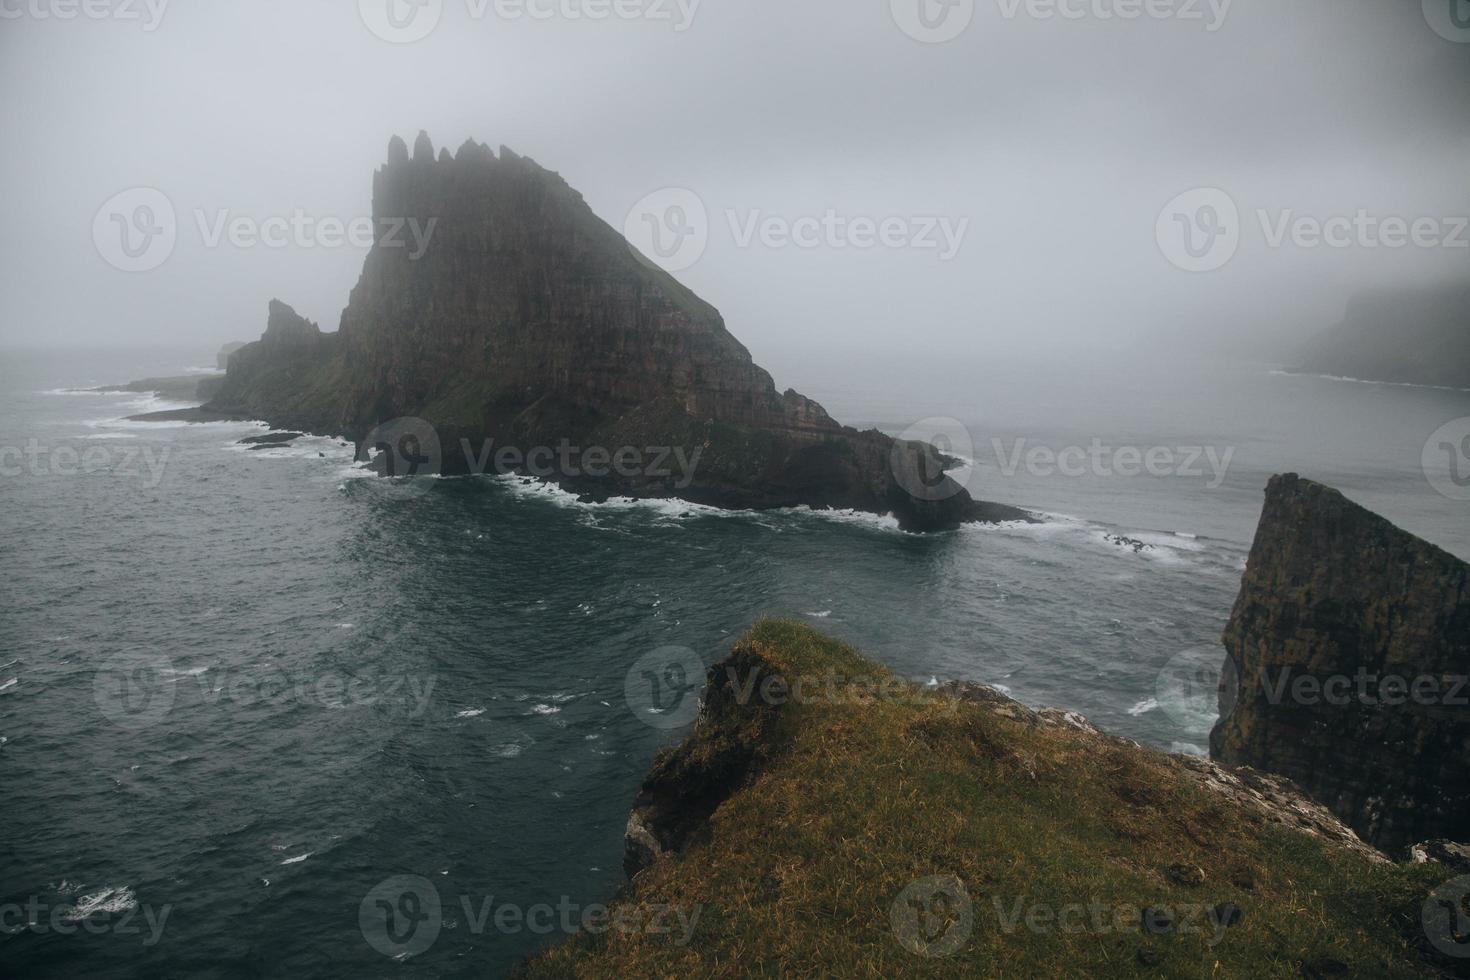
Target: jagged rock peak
{"x": 470, "y": 150}
{"x": 287, "y": 327}
{"x": 423, "y": 148}
{"x": 444, "y": 156}
{"x": 397, "y": 151}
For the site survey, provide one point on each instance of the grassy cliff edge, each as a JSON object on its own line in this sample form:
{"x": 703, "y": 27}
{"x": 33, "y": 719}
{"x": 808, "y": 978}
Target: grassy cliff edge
{"x": 824, "y": 818}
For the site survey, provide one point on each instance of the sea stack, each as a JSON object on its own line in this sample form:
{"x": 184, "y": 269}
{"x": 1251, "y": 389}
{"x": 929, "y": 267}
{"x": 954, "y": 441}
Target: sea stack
{"x": 496, "y": 306}
{"x": 1350, "y": 642}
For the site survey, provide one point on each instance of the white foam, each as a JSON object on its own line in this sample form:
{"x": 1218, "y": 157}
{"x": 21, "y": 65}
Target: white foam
{"x": 544, "y": 709}
{"x": 298, "y": 858}
{"x": 820, "y": 615}
{"x": 11, "y": 664}
{"x": 509, "y": 750}
{"x": 110, "y": 435}
{"x": 1189, "y": 748}
{"x": 107, "y": 900}
{"x": 1366, "y": 381}
{"x": 191, "y": 672}
{"x": 471, "y": 713}
{"x": 9, "y": 684}
{"x": 1144, "y": 707}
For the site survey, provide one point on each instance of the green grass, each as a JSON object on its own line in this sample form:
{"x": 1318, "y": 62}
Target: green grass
{"x": 796, "y": 873}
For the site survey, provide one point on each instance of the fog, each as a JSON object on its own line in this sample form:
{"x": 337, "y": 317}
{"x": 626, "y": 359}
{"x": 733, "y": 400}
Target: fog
{"x": 1054, "y": 142}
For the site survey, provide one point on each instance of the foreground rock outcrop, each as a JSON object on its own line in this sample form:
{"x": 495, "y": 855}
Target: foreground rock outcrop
{"x": 825, "y": 818}
{"x": 497, "y": 308}
{"x": 1350, "y": 645}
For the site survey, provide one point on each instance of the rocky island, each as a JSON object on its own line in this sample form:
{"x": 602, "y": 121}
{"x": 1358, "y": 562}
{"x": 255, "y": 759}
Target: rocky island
{"x": 496, "y": 311}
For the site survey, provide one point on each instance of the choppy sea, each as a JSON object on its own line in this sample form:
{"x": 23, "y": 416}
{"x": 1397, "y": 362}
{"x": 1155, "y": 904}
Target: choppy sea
{"x": 242, "y": 690}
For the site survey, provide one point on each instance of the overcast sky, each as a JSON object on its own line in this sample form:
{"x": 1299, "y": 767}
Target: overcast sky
{"x": 1059, "y": 140}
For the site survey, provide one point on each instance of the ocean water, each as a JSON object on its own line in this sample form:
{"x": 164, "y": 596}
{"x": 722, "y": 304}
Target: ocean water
{"x": 342, "y": 682}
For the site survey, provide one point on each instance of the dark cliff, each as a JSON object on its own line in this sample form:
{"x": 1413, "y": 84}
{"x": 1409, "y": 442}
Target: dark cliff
{"x": 1419, "y": 336}
{"x": 1350, "y": 642}
{"x": 496, "y": 305}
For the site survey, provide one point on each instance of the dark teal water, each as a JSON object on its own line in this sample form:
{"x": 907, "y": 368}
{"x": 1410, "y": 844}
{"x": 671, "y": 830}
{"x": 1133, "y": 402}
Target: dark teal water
{"x": 344, "y": 682}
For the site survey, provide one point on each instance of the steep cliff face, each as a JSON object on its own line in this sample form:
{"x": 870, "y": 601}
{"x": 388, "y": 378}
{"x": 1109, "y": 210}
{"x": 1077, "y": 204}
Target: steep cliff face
{"x": 1418, "y": 336}
{"x": 496, "y": 305}
{"x": 1351, "y": 645}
